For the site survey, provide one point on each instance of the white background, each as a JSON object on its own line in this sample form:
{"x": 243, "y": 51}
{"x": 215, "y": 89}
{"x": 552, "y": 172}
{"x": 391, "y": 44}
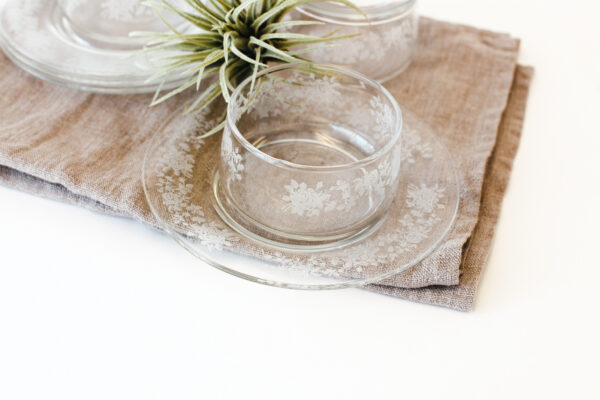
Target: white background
{"x": 96, "y": 307}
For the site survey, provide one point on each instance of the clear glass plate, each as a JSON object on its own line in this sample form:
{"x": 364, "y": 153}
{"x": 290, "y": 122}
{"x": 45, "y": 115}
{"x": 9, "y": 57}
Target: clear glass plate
{"x": 178, "y": 175}
{"x": 38, "y": 37}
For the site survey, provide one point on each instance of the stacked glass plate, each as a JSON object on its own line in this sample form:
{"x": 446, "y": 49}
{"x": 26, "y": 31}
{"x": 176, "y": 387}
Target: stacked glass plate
{"x": 82, "y": 44}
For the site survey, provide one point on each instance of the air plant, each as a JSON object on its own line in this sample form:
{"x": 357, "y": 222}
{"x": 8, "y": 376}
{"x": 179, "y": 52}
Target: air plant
{"x": 234, "y": 40}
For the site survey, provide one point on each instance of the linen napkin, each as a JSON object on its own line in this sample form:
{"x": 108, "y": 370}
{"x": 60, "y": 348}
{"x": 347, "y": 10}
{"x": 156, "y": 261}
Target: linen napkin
{"x": 87, "y": 149}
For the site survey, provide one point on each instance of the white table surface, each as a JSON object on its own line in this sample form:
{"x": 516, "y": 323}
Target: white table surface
{"x": 96, "y": 307}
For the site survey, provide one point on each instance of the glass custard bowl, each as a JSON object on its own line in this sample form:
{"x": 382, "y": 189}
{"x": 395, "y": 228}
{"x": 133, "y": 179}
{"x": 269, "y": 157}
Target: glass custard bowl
{"x": 310, "y": 157}
{"x": 385, "y": 42}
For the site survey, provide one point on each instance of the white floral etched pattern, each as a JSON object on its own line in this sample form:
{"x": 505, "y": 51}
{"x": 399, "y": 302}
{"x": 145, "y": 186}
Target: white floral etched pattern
{"x": 303, "y": 200}
{"x": 275, "y": 97}
{"x": 378, "y": 50}
{"x": 422, "y": 203}
{"x": 344, "y": 195}
{"x": 232, "y": 157}
{"x": 413, "y": 146}
{"x": 124, "y": 10}
{"x": 423, "y": 198}
{"x": 175, "y": 168}
{"x": 374, "y": 45}
{"x": 383, "y": 114}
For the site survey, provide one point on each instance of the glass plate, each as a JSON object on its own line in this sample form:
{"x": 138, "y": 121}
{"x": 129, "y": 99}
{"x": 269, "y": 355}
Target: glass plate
{"x": 178, "y": 176}
{"x": 37, "y": 36}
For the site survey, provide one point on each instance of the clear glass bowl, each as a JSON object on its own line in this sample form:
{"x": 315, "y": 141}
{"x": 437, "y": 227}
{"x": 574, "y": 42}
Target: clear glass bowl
{"x": 386, "y": 42}
{"x": 310, "y": 157}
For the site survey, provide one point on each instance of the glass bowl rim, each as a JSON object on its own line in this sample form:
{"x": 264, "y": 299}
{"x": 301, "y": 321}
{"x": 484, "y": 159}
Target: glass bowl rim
{"x": 317, "y": 168}
{"x": 339, "y": 14}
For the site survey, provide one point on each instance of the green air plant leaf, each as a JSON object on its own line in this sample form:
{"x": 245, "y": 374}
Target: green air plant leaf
{"x": 234, "y": 40}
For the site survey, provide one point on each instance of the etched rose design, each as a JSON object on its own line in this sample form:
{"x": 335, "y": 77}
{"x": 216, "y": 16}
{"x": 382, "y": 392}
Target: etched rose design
{"x": 423, "y": 198}
{"x": 303, "y": 200}
{"x": 124, "y": 10}
{"x": 231, "y": 155}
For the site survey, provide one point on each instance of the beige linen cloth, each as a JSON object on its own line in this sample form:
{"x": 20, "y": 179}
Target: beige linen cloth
{"x": 87, "y": 149}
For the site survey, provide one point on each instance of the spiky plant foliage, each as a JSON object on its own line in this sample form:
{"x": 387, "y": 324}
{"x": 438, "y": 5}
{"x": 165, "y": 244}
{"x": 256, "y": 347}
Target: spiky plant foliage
{"x": 235, "y": 40}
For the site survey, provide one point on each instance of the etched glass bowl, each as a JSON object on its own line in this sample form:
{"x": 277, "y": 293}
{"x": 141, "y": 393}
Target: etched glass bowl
{"x": 310, "y": 157}
{"x": 385, "y": 44}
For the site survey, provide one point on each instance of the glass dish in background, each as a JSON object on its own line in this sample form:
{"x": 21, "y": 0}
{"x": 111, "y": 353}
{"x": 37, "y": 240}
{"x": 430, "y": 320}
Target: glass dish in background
{"x": 310, "y": 157}
{"x": 385, "y": 45}
{"x": 83, "y": 44}
{"x": 106, "y": 24}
